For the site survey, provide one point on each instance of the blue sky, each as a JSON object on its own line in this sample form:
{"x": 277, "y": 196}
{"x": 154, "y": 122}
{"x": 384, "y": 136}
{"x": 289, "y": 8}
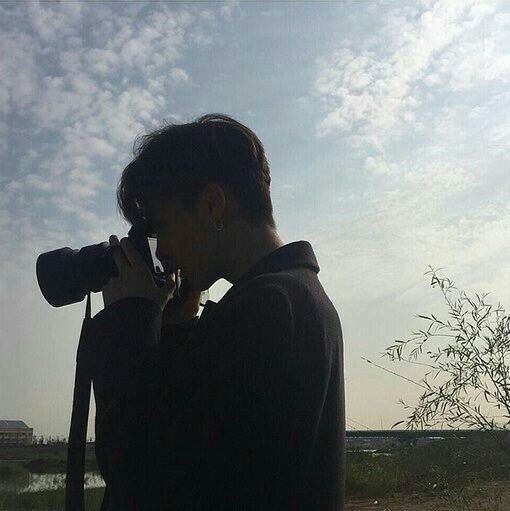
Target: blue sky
{"x": 385, "y": 125}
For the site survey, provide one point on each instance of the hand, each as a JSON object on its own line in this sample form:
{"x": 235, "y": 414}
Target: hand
{"x": 135, "y": 278}
{"x": 179, "y": 313}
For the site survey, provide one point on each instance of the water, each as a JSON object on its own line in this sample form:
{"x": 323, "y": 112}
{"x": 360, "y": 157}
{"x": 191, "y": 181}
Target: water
{"x": 372, "y": 451}
{"x": 30, "y": 482}
{"x": 26, "y": 482}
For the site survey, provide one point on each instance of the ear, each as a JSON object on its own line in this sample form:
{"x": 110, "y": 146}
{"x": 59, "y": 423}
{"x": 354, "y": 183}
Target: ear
{"x": 212, "y": 203}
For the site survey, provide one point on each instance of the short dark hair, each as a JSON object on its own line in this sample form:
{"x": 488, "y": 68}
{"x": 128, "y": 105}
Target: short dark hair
{"x": 179, "y": 160}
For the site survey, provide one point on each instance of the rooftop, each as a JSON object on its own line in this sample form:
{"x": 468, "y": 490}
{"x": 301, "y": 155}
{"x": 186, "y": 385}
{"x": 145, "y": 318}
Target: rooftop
{"x": 13, "y": 425}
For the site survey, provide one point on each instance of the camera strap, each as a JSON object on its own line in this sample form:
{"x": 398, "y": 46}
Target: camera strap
{"x": 75, "y": 496}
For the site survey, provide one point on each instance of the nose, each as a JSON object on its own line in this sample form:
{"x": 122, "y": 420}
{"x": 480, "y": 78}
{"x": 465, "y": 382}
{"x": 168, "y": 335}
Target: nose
{"x": 167, "y": 261}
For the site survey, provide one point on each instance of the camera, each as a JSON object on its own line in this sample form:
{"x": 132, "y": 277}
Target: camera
{"x": 67, "y": 275}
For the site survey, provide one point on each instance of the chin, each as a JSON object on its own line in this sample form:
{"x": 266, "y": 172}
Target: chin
{"x": 196, "y": 283}
{"x": 190, "y": 280}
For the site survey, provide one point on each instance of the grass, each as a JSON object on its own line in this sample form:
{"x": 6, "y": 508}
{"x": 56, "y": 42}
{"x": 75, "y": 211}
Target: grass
{"x": 369, "y": 476}
{"x": 440, "y": 466}
{"x": 41, "y": 459}
{"x": 48, "y": 500}
{"x": 444, "y": 467}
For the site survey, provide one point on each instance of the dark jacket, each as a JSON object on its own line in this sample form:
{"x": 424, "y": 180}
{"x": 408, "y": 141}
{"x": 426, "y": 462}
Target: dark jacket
{"x": 242, "y": 408}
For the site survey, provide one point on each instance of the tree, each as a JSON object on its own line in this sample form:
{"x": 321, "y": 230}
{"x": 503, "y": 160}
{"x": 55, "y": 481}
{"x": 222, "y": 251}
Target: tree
{"x": 476, "y": 360}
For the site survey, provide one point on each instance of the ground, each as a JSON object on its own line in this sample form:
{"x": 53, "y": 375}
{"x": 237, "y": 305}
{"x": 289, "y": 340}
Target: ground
{"x": 421, "y": 503}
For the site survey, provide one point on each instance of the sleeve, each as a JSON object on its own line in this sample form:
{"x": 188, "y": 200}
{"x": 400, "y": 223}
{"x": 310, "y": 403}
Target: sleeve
{"x": 126, "y": 338}
{"x": 126, "y": 374}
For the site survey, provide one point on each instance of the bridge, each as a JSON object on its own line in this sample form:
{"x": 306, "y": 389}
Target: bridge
{"x": 422, "y": 433}
{"x": 412, "y": 436}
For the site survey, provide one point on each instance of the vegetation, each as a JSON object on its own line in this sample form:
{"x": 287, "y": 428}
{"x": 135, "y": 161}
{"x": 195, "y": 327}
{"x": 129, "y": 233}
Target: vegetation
{"x": 445, "y": 468}
{"x": 45, "y": 458}
{"x": 454, "y": 470}
{"x": 475, "y": 362}
{"x": 429, "y": 469}
{"x": 472, "y": 364}
{"x": 48, "y": 500}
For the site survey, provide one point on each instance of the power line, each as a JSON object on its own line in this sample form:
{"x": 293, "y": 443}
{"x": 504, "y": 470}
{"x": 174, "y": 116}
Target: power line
{"x": 396, "y": 374}
{"x": 356, "y": 422}
{"x": 419, "y": 385}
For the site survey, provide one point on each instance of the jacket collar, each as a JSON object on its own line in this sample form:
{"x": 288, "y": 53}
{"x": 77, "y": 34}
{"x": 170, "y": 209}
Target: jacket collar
{"x": 298, "y": 254}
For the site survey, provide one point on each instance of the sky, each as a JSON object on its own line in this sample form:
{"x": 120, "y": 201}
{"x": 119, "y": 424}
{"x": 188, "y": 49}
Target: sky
{"x": 385, "y": 125}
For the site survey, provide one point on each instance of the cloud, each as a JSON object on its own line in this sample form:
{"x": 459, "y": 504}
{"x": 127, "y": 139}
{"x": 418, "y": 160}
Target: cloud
{"x": 228, "y": 7}
{"x": 17, "y": 82}
{"x": 54, "y": 21}
{"x": 179, "y": 76}
{"x": 91, "y": 103}
{"x": 272, "y": 13}
{"x": 378, "y": 166}
{"x": 420, "y": 103}
{"x": 369, "y": 93}
{"x": 412, "y": 102}
{"x": 413, "y": 212}
{"x": 38, "y": 182}
{"x": 84, "y": 80}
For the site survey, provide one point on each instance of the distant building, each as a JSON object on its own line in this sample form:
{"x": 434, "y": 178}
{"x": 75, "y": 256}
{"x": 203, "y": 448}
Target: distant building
{"x": 15, "y": 433}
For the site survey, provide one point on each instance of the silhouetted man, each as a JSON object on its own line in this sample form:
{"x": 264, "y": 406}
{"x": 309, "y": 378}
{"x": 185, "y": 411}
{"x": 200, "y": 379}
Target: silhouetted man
{"x": 242, "y": 408}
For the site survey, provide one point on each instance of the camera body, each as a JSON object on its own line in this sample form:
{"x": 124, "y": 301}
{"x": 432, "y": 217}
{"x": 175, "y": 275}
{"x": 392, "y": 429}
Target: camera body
{"x": 67, "y": 275}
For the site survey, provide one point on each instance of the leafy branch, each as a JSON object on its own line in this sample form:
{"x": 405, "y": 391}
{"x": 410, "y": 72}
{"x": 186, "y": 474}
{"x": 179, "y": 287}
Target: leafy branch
{"x": 475, "y": 359}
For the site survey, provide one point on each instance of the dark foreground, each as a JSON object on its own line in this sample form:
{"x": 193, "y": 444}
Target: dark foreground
{"x": 444, "y": 475}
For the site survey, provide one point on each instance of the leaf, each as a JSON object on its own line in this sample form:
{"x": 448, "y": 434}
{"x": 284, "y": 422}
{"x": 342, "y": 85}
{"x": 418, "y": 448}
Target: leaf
{"x": 396, "y": 424}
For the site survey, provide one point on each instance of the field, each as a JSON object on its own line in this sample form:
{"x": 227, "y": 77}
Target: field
{"x": 44, "y": 458}
{"x": 448, "y": 475}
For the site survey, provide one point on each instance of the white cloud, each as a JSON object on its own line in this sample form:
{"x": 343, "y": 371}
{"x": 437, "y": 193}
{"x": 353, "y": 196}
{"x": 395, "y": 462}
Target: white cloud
{"x": 371, "y": 92}
{"x": 433, "y": 144}
{"x": 13, "y": 186}
{"x": 498, "y": 138}
{"x": 423, "y": 100}
{"x": 228, "y": 8}
{"x": 18, "y": 75}
{"x": 208, "y": 15}
{"x": 39, "y": 183}
{"x": 53, "y": 21}
{"x": 379, "y": 166}
{"x": 179, "y": 76}
{"x": 5, "y": 217}
{"x": 19, "y": 72}
{"x": 272, "y": 13}
{"x": 85, "y": 79}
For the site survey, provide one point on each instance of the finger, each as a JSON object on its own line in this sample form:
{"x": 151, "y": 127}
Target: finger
{"x": 118, "y": 254}
{"x": 133, "y": 256}
{"x": 167, "y": 290}
{"x": 170, "y": 283}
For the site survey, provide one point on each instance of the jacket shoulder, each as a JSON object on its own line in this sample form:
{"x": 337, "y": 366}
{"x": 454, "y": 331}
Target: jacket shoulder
{"x": 306, "y": 296}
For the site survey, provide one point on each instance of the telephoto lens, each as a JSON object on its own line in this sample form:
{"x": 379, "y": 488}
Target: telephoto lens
{"x": 66, "y": 276}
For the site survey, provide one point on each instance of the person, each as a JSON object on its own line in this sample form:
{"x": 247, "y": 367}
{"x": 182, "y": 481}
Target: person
{"x": 242, "y": 407}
